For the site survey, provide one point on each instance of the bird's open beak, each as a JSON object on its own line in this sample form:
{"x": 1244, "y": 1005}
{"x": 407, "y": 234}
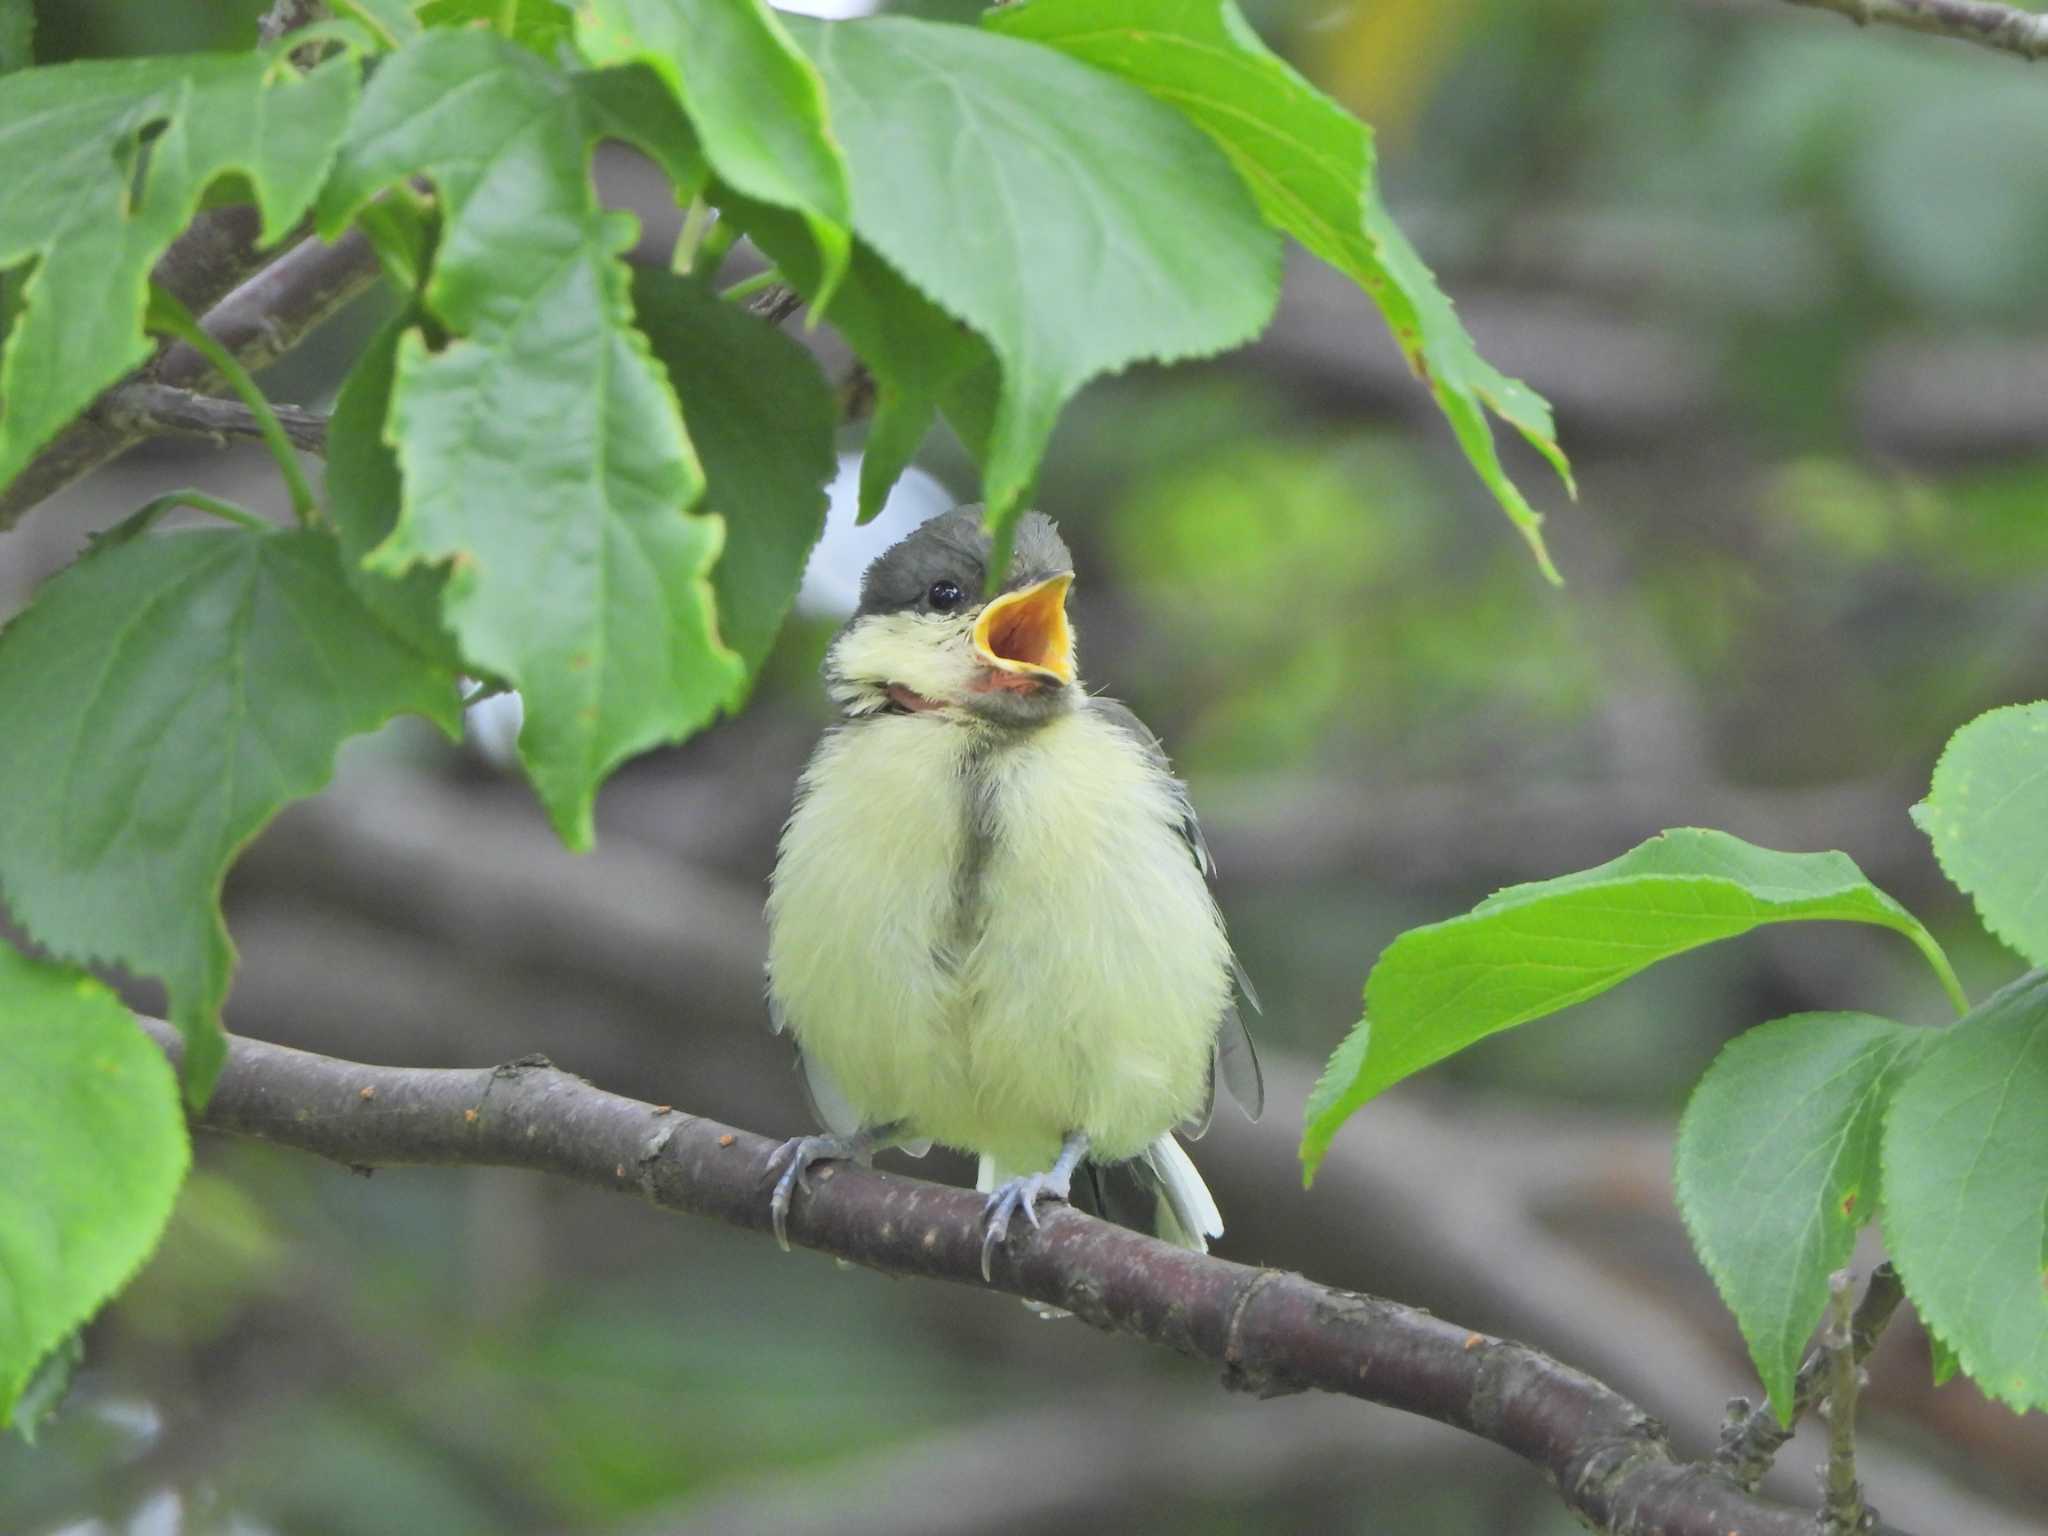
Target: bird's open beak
{"x": 1026, "y": 632}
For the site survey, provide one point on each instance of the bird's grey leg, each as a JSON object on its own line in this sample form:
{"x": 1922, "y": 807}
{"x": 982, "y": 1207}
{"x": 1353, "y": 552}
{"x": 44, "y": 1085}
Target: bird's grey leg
{"x": 1021, "y": 1196}
{"x": 802, "y": 1151}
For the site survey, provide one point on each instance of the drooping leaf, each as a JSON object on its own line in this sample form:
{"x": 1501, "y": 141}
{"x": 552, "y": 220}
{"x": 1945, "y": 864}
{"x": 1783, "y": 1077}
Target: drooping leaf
{"x": 915, "y": 350}
{"x": 363, "y": 495}
{"x": 542, "y": 26}
{"x": 160, "y": 701}
{"x": 93, "y": 1141}
{"x": 544, "y": 459}
{"x": 1082, "y": 225}
{"x": 1966, "y": 1191}
{"x": 1777, "y": 1170}
{"x": 1531, "y": 950}
{"x": 1310, "y": 164}
{"x": 105, "y": 164}
{"x": 1987, "y": 815}
{"x": 755, "y": 100}
{"x": 762, "y": 417}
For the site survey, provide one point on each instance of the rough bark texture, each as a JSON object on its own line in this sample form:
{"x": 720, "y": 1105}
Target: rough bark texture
{"x": 1271, "y": 1332}
{"x": 1972, "y": 21}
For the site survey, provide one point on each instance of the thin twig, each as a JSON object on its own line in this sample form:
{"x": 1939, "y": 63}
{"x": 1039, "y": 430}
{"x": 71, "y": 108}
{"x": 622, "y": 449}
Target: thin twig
{"x": 158, "y": 410}
{"x": 856, "y": 392}
{"x": 1277, "y": 1332}
{"x": 258, "y": 322}
{"x": 1842, "y": 1511}
{"x": 775, "y": 304}
{"x": 171, "y": 318}
{"x": 2003, "y": 27}
{"x": 1753, "y": 1436}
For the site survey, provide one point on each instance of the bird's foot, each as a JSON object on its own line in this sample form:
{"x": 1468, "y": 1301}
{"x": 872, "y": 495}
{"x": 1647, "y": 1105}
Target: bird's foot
{"x": 800, "y": 1152}
{"x": 1020, "y": 1197}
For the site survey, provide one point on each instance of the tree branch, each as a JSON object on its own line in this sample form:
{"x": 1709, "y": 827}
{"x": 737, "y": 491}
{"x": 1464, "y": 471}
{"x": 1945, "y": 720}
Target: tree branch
{"x": 158, "y": 410}
{"x": 1843, "y": 1512}
{"x": 1753, "y": 1435}
{"x": 1971, "y": 21}
{"x": 260, "y": 321}
{"x": 1271, "y": 1332}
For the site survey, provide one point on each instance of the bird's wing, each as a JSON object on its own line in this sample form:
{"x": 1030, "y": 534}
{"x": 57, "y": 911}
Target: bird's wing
{"x": 1237, "y": 1059}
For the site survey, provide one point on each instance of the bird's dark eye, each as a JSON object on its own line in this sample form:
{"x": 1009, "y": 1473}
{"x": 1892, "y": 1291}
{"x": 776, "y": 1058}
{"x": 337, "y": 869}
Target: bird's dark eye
{"x": 945, "y": 594}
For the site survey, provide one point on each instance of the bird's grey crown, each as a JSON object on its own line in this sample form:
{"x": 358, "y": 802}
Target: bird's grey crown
{"x": 955, "y": 547}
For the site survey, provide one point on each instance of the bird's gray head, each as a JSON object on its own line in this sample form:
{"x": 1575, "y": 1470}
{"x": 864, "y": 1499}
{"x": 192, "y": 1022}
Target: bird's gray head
{"x": 923, "y": 638}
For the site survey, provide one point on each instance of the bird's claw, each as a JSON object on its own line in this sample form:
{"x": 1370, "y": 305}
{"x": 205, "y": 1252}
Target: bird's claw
{"x": 799, "y": 1152}
{"x": 1017, "y": 1197}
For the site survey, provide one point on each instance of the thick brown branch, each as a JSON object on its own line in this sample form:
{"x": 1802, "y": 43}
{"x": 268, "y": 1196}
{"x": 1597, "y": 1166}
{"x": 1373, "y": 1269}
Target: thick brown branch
{"x": 156, "y": 410}
{"x": 259, "y": 322}
{"x": 1270, "y": 1331}
{"x": 1972, "y": 21}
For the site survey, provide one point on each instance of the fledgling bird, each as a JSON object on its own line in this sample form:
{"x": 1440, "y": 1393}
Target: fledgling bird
{"x": 990, "y": 923}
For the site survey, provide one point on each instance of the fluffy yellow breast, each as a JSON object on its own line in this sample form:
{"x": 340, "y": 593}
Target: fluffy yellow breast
{"x": 998, "y": 938}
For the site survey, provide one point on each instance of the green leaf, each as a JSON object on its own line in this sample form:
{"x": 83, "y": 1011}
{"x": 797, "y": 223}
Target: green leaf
{"x": 93, "y": 206}
{"x": 755, "y": 100}
{"x": 51, "y": 1383}
{"x": 544, "y": 459}
{"x": 391, "y": 22}
{"x": 1310, "y": 164}
{"x": 1987, "y": 815}
{"x": 1966, "y": 1191}
{"x": 93, "y": 1141}
{"x": 160, "y": 701}
{"x": 363, "y": 496}
{"x": 17, "y": 35}
{"x": 915, "y": 350}
{"x": 762, "y": 417}
{"x": 1941, "y": 1360}
{"x": 1074, "y": 222}
{"x": 1531, "y": 950}
{"x": 540, "y": 26}
{"x": 1777, "y": 1170}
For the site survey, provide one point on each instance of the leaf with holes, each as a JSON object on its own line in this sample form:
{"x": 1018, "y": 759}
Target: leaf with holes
{"x": 762, "y": 417}
{"x": 1777, "y": 1170}
{"x": 1531, "y": 950}
{"x": 544, "y": 459}
{"x": 93, "y": 1141}
{"x": 1987, "y": 815}
{"x": 1076, "y": 223}
{"x": 144, "y": 750}
{"x": 756, "y": 102}
{"x": 1310, "y": 164}
{"x": 1966, "y": 1191}
{"x": 106, "y": 163}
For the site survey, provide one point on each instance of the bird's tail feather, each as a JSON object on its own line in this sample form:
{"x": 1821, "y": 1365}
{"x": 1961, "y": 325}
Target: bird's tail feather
{"x": 1186, "y": 1212}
